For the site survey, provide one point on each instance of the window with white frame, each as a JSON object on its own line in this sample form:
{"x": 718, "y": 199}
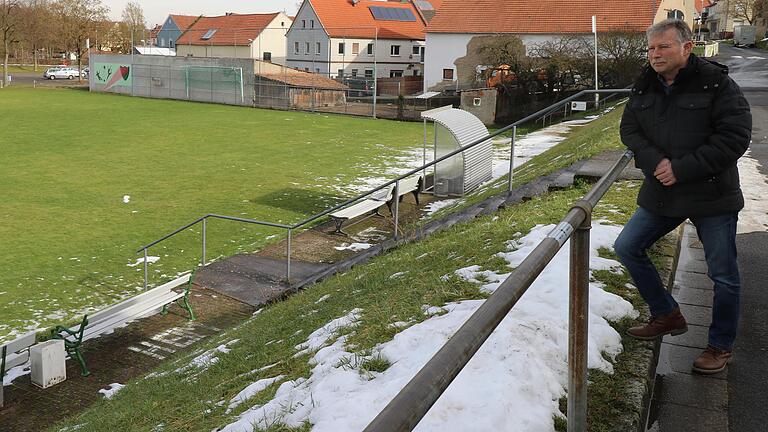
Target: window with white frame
{"x": 415, "y": 50}
{"x": 354, "y": 72}
{"x": 307, "y": 48}
{"x": 341, "y": 47}
{"x": 395, "y": 73}
{"x": 296, "y": 47}
{"x": 394, "y": 50}
{"x": 369, "y": 73}
{"x": 303, "y": 23}
{"x": 317, "y": 47}
{"x": 370, "y": 49}
{"x": 355, "y": 48}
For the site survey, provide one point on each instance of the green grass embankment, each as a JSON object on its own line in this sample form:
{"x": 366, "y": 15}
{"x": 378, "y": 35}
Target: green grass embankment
{"x": 270, "y": 336}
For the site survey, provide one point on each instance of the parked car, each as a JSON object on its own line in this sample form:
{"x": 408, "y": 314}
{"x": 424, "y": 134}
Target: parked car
{"x": 61, "y": 73}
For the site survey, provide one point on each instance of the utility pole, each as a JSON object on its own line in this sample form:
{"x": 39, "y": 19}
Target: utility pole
{"x": 594, "y": 30}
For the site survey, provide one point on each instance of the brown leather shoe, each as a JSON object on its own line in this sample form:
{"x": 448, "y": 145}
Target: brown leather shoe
{"x": 673, "y": 323}
{"x": 711, "y": 361}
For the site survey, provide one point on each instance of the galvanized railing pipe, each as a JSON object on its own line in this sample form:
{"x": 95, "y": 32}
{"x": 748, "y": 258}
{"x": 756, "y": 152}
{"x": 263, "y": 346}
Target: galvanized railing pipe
{"x": 405, "y": 411}
{"x": 396, "y": 204}
{"x": 202, "y": 258}
{"x": 512, "y": 156}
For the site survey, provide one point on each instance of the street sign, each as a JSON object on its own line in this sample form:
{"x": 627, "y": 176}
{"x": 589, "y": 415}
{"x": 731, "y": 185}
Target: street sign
{"x": 578, "y": 106}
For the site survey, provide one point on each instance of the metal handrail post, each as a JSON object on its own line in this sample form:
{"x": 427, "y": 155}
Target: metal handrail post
{"x": 288, "y": 261}
{"x": 512, "y": 155}
{"x": 146, "y": 270}
{"x": 396, "y": 204}
{"x": 202, "y": 259}
{"x": 578, "y": 323}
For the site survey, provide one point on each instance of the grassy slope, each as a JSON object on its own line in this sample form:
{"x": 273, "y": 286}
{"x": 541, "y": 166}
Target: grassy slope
{"x": 181, "y": 405}
{"x": 69, "y": 157}
{"x": 583, "y": 142}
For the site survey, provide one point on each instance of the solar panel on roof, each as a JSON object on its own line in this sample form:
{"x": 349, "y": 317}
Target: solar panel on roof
{"x": 391, "y": 14}
{"x": 424, "y": 5}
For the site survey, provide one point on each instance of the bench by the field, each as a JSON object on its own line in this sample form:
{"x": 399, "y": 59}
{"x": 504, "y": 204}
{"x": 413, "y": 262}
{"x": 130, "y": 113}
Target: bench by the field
{"x": 122, "y": 313}
{"x": 12, "y": 354}
{"x": 372, "y": 204}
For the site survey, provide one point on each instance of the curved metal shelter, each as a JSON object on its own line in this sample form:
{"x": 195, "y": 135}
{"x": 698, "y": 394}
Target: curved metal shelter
{"x": 454, "y": 129}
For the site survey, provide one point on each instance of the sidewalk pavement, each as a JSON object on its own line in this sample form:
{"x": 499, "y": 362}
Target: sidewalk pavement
{"x": 684, "y": 401}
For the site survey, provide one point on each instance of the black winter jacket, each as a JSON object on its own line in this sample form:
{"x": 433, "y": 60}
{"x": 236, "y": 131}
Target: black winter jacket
{"x": 703, "y": 126}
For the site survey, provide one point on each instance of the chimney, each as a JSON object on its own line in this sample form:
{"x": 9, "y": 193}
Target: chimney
{"x": 354, "y": 2}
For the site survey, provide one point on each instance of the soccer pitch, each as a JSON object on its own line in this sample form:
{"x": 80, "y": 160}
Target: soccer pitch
{"x": 88, "y": 178}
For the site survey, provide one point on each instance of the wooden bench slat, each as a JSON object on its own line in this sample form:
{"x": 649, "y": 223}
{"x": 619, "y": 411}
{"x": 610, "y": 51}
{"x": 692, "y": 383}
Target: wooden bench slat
{"x": 357, "y": 209}
{"x": 126, "y": 315}
{"x": 13, "y": 360}
{"x": 19, "y": 343}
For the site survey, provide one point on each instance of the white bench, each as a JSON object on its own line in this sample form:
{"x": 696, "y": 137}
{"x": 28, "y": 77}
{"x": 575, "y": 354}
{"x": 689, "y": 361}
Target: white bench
{"x": 108, "y": 319}
{"x": 12, "y": 354}
{"x": 370, "y": 205}
{"x": 377, "y": 199}
{"x": 408, "y": 185}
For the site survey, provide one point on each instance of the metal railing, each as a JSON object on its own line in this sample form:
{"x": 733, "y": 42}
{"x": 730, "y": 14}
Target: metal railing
{"x": 405, "y": 411}
{"x": 392, "y": 183}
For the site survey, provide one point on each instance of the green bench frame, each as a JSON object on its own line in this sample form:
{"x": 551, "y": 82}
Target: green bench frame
{"x": 122, "y": 313}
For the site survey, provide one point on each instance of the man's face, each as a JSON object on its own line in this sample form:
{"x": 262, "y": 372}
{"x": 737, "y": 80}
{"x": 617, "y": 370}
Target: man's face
{"x": 667, "y": 54}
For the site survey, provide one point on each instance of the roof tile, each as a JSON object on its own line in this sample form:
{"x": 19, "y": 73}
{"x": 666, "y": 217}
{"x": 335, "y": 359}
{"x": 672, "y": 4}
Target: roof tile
{"x": 342, "y": 18}
{"x": 233, "y": 29}
{"x": 542, "y": 16}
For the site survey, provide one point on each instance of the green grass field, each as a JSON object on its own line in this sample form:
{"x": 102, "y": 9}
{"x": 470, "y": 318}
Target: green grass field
{"x": 69, "y": 157}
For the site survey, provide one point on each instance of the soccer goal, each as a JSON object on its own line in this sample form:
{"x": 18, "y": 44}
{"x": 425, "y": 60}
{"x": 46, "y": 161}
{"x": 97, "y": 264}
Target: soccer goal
{"x": 221, "y": 83}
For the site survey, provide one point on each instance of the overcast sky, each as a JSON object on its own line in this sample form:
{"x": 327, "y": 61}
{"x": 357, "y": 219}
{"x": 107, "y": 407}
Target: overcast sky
{"x": 155, "y": 11}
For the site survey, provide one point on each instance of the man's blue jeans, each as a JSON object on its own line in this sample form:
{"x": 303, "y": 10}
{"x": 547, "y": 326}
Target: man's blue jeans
{"x": 717, "y": 235}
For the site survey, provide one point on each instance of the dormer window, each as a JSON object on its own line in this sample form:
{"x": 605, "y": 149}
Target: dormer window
{"x": 209, "y": 34}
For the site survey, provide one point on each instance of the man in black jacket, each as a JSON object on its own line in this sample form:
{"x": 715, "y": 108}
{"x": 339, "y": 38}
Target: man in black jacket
{"x": 687, "y": 123}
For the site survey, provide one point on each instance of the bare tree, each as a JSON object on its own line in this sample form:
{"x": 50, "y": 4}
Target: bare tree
{"x": 9, "y": 21}
{"x": 134, "y": 22}
{"x": 78, "y": 19}
{"x": 748, "y": 10}
{"x": 37, "y": 26}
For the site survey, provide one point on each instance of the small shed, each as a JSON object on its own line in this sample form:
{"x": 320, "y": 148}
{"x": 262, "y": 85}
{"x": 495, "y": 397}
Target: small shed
{"x": 465, "y": 171}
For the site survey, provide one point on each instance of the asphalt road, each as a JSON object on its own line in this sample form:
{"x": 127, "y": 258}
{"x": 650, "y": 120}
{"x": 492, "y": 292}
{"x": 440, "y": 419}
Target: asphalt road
{"x": 748, "y": 373}
{"x": 36, "y": 78}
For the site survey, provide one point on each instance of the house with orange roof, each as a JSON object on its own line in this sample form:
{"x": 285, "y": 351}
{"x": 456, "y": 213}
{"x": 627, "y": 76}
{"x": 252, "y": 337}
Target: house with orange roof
{"x": 363, "y": 38}
{"x": 172, "y": 28}
{"x": 460, "y": 29}
{"x": 258, "y": 36}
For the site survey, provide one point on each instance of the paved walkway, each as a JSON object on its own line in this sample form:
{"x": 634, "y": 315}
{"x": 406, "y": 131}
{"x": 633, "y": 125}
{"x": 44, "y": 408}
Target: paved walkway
{"x": 684, "y": 401}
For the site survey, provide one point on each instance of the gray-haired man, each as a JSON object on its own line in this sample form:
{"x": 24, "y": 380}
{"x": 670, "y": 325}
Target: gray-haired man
{"x": 687, "y": 123}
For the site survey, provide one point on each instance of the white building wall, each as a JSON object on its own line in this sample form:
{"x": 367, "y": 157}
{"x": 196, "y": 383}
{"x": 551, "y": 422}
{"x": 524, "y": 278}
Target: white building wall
{"x": 443, "y": 49}
{"x": 307, "y": 32}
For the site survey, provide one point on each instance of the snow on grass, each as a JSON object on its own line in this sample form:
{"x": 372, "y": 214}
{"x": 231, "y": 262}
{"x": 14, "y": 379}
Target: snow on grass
{"x": 521, "y": 368}
{"x": 15, "y": 372}
{"x": 321, "y": 336}
{"x": 126, "y": 199}
{"x": 150, "y": 260}
{"x": 353, "y": 247}
{"x": 320, "y": 300}
{"x": 112, "y": 390}
{"x": 251, "y": 391}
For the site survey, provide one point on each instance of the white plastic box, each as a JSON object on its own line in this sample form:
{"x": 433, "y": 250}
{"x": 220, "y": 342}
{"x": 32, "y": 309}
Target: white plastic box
{"x": 48, "y": 361}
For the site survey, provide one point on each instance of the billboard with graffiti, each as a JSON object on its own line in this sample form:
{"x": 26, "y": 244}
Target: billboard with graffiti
{"x": 111, "y": 75}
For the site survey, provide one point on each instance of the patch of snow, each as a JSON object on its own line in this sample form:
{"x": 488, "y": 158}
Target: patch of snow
{"x": 398, "y": 275}
{"x": 321, "y": 336}
{"x": 126, "y": 199}
{"x": 251, "y": 391}
{"x": 353, "y": 247}
{"x": 434, "y": 206}
{"x": 112, "y": 390}
{"x": 323, "y": 298}
{"x": 524, "y": 359}
{"x": 150, "y": 260}
{"x": 15, "y": 372}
